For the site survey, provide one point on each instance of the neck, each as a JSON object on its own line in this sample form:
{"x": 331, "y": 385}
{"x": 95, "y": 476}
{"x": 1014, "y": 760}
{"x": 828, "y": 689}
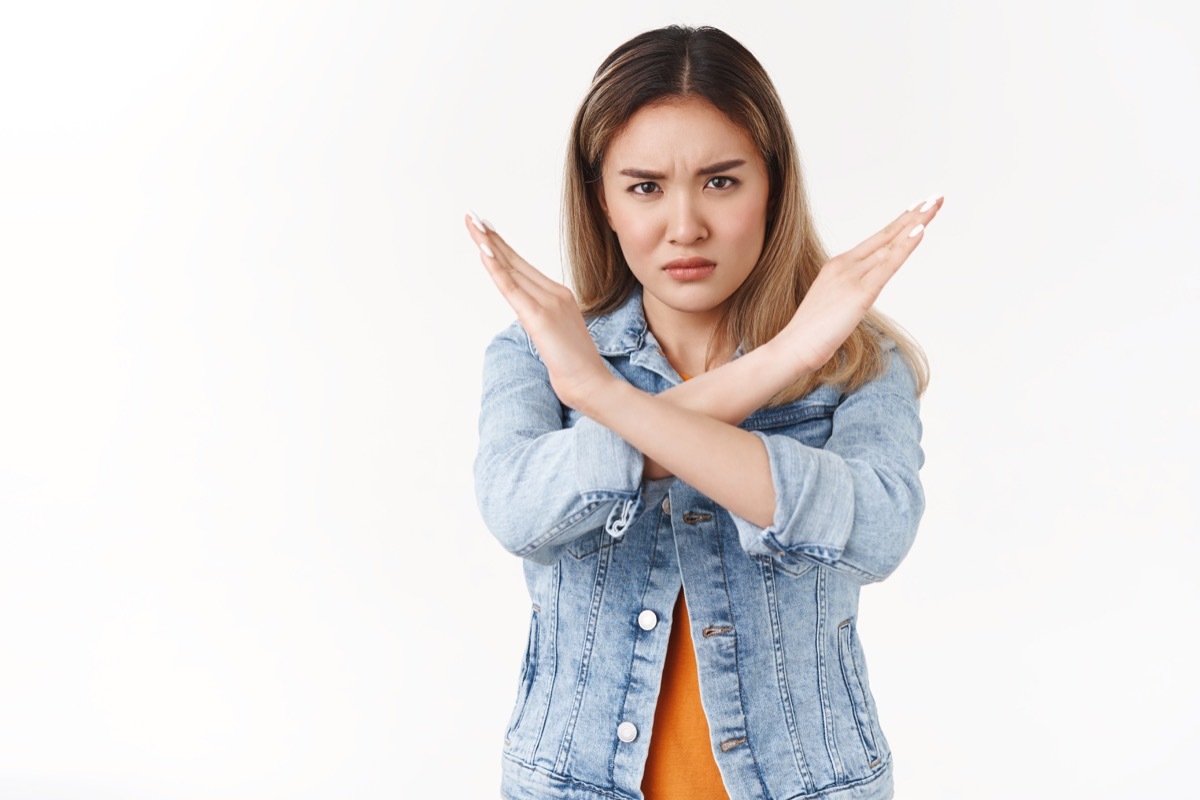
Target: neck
{"x": 683, "y": 335}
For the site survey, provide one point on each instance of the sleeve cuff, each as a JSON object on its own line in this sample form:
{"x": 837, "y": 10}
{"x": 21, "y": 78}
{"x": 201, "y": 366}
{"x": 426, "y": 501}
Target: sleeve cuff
{"x": 609, "y": 468}
{"x": 814, "y": 504}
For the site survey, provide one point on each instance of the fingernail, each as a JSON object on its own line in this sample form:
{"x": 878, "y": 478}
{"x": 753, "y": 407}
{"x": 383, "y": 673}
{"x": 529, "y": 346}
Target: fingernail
{"x": 916, "y": 230}
{"x": 483, "y": 246}
{"x": 476, "y": 221}
{"x": 930, "y": 203}
{"x": 490, "y": 226}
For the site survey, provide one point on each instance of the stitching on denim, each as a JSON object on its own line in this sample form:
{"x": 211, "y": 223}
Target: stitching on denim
{"x": 585, "y": 660}
{"x": 805, "y": 413}
{"x": 835, "y": 758}
{"x": 868, "y": 703}
{"x": 612, "y": 754}
{"x": 559, "y": 528}
{"x": 846, "y": 652}
{"x": 737, "y": 658}
{"x": 528, "y": 672}
{"x": 549, "y": 694}
{"x": 558, "y": 777}
{"x": 766, "y": 568}
{"x": 834, "y": 789}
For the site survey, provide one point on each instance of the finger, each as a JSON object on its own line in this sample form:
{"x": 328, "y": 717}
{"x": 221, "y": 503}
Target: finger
{"x": 931, "y": 204}
{"x": 495, "y": 257}
{"x": 509, "y": 258}
{"x": 887, "y": 260}
{"x": 521, "y": 265}
{"x": 879, "y": 239}
{"x": 509, "y": 279}
{"x": 900, "y": 225}
{"x": 516, "y": 288}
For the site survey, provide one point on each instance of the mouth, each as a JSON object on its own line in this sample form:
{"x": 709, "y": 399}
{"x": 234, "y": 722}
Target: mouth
{"x": 688, "y": 263}
{"x": 689, "y": 269}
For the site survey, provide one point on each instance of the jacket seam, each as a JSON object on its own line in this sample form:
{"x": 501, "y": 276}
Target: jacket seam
{"x": 802, "y": 414}
{"x": 601, "y": 581}
{"x": 612, "y": 756}
{"x": 737, "y": 667}
{"x": 835, "y": 757}
{"x": 567, "y": 779}
{"x": 537, "y": 742}
{"x": 835, "y": 788}
{"x": 846, "y": 656}
{"x": 767, "y": 568}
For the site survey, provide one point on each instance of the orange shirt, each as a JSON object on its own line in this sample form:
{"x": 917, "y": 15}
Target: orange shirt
{"x": 681, "y": 763}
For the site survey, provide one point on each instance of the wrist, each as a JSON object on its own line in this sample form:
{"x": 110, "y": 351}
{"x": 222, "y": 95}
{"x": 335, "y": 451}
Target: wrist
{"x": 598, "y": 395}
{"x": 786, "y": 360}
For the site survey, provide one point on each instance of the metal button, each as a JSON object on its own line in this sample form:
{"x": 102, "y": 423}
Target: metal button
{"x": 647, "y": 620}
{"x": 627, "y": 731}
{"x": 666, "y": 505}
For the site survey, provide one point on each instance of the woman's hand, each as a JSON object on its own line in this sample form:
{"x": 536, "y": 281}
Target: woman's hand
{"x": 550, "y": 315}
{"x": 847, "y": 286}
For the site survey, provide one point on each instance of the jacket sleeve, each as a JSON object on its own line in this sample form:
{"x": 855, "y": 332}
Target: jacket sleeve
{"x": 540, "y": 485}
{"x": 854, "y": 504}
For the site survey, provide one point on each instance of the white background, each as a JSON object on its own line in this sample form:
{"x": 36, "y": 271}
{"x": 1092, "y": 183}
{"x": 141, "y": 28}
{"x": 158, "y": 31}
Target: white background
{"x": 242, "y": 329}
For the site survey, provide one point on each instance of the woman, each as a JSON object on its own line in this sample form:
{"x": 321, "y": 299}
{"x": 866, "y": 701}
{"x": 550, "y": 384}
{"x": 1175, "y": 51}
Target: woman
{"x": 694, "y": 548}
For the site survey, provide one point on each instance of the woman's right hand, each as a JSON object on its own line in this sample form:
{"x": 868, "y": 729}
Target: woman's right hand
{"x": 847, "y": 286}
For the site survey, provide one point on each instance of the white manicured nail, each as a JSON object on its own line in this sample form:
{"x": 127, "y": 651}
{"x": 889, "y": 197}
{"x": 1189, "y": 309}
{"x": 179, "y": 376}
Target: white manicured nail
{"x": 487, "y": 250}
{"x": 489, "y": 225}
{"x": 916, "y": 230}
{"x": 476, "y": 221}
{"x": 930, "y": 203}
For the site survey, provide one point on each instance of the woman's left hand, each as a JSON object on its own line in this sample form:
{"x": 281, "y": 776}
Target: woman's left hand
{"x": 550, "y": 315}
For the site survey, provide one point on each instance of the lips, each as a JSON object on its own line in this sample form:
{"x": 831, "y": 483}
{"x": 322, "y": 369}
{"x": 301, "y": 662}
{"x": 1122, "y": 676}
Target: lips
{"x": 689, "y": 263}
{"x": 690, "y": 269}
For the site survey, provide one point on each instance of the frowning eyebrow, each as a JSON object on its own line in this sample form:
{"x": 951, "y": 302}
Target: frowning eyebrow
{"x": 711, "y": 169}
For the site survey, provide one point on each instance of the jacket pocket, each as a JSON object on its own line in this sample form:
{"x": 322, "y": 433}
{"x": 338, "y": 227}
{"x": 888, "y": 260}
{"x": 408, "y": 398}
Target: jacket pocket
{"x": 849, "y": 657}
{"x": 792, "y": 567}
{"x": 591, "y": 542}
{"x": 528, "y": 670}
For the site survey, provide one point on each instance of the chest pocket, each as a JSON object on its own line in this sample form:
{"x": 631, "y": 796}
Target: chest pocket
{"x": 590, "y": 543}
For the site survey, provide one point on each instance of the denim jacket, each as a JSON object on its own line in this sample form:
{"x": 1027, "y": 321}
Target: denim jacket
{"x": 773, "y": 611}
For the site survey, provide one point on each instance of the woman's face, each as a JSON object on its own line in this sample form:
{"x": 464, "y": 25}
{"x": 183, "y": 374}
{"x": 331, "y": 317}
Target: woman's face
{"x": 683, "y": 182}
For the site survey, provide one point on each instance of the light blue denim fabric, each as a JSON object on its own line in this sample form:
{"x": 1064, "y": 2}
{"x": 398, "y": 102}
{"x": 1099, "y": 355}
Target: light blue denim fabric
{"x": 773, "y": 611}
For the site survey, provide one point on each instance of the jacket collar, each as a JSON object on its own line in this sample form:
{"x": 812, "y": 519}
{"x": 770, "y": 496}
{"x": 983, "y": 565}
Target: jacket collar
{"x": 623, "y": 330}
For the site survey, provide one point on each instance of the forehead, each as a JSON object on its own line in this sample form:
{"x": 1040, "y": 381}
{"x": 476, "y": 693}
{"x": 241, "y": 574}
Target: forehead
{"x": 690, "y": 132}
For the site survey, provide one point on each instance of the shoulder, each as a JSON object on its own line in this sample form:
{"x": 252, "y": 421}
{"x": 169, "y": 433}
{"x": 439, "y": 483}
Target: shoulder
{"x": 897, "y": 375}
{"x": 891, "y": 394}
{"x": 512, "y": 334}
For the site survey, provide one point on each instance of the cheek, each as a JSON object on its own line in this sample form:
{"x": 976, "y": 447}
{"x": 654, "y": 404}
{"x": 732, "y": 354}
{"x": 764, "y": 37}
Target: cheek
{"x": 637, "y": 231}
{"x": 747, "y": 223}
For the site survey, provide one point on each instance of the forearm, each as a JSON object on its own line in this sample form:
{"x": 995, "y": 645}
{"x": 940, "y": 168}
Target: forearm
{"x": 720, "y": 393}
{"x": 705, "y": 449}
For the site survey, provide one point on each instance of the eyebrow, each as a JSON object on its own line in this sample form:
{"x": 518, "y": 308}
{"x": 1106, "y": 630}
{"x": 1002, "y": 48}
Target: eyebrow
{"x": 711, "y": 169}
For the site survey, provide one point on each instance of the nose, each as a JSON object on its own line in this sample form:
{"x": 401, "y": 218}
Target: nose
{"x": 685, "y": 221}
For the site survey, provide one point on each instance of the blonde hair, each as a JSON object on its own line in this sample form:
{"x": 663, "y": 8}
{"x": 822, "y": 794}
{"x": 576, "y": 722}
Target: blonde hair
{"x": 678, "y": 62}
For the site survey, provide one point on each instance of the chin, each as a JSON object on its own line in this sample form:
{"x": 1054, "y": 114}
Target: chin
{"x": 691, "y": 298}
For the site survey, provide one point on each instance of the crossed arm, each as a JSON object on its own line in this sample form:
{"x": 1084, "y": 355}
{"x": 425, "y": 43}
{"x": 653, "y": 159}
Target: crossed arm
{"x": 691, "y": 430}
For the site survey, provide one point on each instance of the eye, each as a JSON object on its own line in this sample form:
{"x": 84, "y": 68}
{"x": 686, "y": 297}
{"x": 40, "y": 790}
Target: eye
{"x": 728, "y": 182}
{"x": 646, "y": 187}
